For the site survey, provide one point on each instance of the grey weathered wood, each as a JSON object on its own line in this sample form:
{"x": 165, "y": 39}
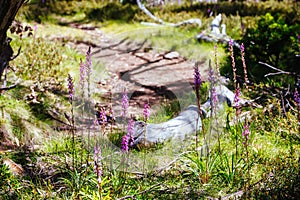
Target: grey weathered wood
{"x": 161, "y": 22}
{"x": 212, "y": 37}
{"x": 185, "y": 124}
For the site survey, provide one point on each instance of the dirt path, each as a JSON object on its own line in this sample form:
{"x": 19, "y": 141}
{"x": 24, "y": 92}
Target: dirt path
{"x": 146, "y": 74}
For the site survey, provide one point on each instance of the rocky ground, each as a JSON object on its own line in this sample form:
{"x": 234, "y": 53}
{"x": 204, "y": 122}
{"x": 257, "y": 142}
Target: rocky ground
{"x": 147, "y": 74}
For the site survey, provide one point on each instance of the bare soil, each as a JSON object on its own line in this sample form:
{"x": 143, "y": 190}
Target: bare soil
{"x": 148, "y": 75}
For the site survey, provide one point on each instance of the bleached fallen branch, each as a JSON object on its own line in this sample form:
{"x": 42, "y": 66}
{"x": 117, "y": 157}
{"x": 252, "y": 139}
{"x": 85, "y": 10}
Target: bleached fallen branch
{"x": 279, "y": 71}
{"x": 161, "y": 22}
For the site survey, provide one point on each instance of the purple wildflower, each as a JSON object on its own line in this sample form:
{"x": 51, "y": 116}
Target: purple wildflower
{"x": 82, "y": 74}
{"x": 98, "y": 164}
{"x": 125, "y": 141}
{"x": 214, "y": 97}
{"x": 197, "y": 78}
{"x": 70, "y": 87}
{"x": 211, "y": 73}
{"x": 232, "y": 61}
{"x": 88, "y": 62}
{"x": 244, "y": 65}
{"x": 297, "y": 97}
{"x": 208, "y": 11}
{"x": 242, "y": 48}
{"x": 230, "y": 43}
{"x": 237, "y": 99}
{"x": 146, "y": 112}
{"x": 197, "y": 83}
{"x": 101, "y": 117}
{"x": 246, "y": 132}
{"x": 130, "y": 129}
{"x": 125, "y": 103}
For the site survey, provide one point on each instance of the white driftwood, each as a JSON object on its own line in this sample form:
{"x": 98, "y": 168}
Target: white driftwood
{"x": 212, "y": 37}
{"x": 163, "y": 23}
{"x": 186, "y": 123}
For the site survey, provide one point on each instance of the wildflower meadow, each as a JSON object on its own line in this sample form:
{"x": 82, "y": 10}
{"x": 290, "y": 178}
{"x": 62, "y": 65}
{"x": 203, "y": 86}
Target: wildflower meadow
{"x": 96, "y": 86}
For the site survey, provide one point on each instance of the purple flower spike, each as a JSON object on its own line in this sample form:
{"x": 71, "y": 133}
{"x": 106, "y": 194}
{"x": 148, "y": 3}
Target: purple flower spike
{"x": 197, "y": 78}
{"x": 211, "y": 74}
{"x": 237, "y": 98}
{"x": 125, "y": 141}
{"x": 101, "y": 117}
{"x": 98, "y": 164}
{"x": 246, "y": 132}
{"x": 88, "y": 62}
{"x": 214, "y": 97}
{"x": 242, "y": 47}
{"x": 232, "y": 62}
{"x": 70, "y": 87}
{"x": 146, "y": 112}
{"x": 82, "y": 74}
{"x": 130, "y": 131}
{"x": 244, "y": 65}
{"x": 230, "y": 43}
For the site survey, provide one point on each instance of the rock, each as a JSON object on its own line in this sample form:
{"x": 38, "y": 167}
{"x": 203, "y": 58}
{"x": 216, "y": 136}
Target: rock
{"x": 171, "y": 55}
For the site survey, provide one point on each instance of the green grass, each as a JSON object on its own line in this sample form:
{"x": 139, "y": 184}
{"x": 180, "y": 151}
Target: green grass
{"x": 273, "y": 145}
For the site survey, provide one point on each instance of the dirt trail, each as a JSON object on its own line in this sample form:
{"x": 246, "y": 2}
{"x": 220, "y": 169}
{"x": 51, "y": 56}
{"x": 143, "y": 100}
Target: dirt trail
{"x": 146, "y": 74}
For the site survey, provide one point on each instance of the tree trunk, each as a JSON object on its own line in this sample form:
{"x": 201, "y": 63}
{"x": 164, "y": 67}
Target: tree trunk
{"x": 8, "y": 11}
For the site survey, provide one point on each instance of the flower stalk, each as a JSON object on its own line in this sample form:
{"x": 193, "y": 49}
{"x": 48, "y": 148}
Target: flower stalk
{"x": 72, "y": 121}
{"x": 197, "y": 84}
{"x": 246, "y": 80}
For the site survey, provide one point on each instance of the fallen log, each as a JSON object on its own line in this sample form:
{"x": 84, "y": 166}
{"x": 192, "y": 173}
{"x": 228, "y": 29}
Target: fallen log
{"x": 185, "y": 124}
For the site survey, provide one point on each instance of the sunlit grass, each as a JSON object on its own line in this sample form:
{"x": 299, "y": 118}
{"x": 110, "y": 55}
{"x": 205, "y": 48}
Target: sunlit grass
{"x": 273, "y": 135}
{"x": 163, "y": 39}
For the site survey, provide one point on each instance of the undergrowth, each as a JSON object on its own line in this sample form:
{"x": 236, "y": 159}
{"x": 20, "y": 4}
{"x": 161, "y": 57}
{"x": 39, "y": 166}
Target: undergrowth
{"x": 68, "y": 166}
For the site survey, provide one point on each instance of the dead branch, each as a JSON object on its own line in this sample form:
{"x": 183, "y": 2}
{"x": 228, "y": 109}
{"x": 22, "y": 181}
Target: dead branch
{"x": 279, "y": 71}
{"x": 161, "y": 22}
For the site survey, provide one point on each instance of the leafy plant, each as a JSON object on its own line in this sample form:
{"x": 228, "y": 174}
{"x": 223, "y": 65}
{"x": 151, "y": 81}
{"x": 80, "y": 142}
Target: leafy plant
{"x": 280, "y": 179}
{"x": 9, "y": 184}
{"x": 273, "y": 41}
{"x": 202, "y": 167}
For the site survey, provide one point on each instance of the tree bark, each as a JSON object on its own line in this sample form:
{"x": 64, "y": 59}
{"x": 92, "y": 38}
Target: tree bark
{"x": 8, "y": 11}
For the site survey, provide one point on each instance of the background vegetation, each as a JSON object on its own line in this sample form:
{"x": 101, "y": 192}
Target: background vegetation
{"x": 59, "y": 166}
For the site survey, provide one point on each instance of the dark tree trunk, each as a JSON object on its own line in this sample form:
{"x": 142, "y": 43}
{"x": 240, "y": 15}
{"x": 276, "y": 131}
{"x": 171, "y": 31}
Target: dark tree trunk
{"x": 8, "y": 11}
